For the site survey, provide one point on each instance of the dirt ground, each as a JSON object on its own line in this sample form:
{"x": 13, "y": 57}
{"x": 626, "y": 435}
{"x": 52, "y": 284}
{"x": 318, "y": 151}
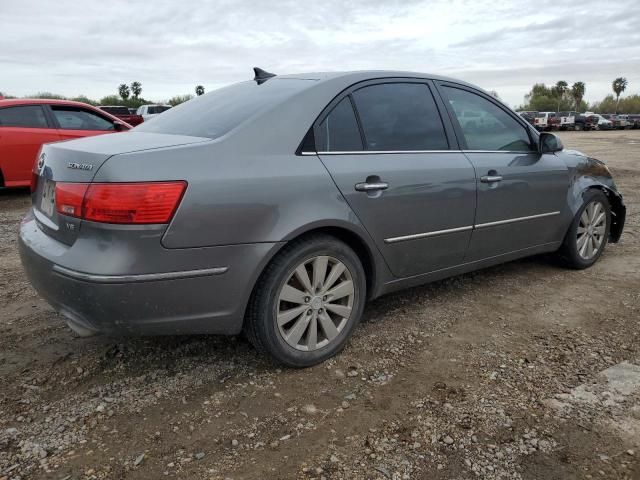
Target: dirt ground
{"x": 522, "y": 371}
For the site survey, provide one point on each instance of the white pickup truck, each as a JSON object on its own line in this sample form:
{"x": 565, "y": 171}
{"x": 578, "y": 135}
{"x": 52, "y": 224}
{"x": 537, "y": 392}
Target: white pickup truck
{"x": 150, "y": 111}
{"x": 545, "y": 120}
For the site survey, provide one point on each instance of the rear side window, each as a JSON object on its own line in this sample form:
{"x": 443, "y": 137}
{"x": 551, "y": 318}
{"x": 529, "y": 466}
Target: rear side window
{"x": 29, "y": 116}
{"x": 486, "y": 126}
{"x": 339, "y": 131}
{"x": 72, "y": 118}
{"x": 400, "y": 116}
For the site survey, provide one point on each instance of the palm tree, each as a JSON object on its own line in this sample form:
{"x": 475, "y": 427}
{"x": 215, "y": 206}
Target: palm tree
{"x": 136, "y": 89}
{"x": 560, "y": 91}
{"x": 124, "y": 91}
{"x": 577, "y": 92}
{"x": 199, "y": 90}
{"x": 619, "y": 85}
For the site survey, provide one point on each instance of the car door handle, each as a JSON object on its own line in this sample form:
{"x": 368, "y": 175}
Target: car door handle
{"x": 491, "y": 178}
{"x": 371, "y": 187}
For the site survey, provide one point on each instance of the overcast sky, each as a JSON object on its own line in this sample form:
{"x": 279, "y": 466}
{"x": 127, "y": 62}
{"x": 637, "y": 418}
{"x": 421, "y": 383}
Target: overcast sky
{"x": 88, "y": 47}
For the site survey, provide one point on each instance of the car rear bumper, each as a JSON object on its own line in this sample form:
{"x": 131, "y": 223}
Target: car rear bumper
{"x": 208, "y": 300}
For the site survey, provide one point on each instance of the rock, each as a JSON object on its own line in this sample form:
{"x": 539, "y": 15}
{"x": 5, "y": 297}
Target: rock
{"x": 631, "y": 452}
{"x": 199, "y": 455}
{"x": 448, "y": 440}
{"x": 345, "y": 404}
{"x": 353, "y": 372}
{"x": 310, "y": 409}
{"x": 234, "y": 443}
{"x": 334, "y": 459}
{"x": 286, "y": 437}
{"x": 139, "y": 460}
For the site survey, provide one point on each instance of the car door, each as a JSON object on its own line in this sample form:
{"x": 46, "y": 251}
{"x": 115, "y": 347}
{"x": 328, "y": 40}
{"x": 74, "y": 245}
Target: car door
{"x": 77, "y": 122}
{"x": 397, "y": 165}
{"x": 522, "y": 193}
{"x": 23, "y": 130}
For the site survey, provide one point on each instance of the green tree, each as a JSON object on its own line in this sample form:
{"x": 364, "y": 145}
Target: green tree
{"x": 178, "y": 99}
{"x": 84, "y": 99}
{"x": 199, "y": 90}
{"x": 577, "y": 92}
{"x": 136, "y": 89}
{"x": 123, "y": 91}
{"x": 619, "y": 85}
{"x": 47, "y": 95}
{"x": 559, "y": 91}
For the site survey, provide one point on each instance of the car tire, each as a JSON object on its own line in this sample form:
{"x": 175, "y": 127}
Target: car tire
{"x": 296, "y": 319}
{"x": 588, "y": 233}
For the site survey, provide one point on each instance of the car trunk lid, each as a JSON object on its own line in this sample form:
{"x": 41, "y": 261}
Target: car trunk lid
{"x": 78, "y": 161}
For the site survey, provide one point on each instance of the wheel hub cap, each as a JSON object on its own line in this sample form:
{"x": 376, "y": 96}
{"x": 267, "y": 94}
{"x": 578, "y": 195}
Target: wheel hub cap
{"x": 315, "y": 303}
{"x": 591, "y": 230}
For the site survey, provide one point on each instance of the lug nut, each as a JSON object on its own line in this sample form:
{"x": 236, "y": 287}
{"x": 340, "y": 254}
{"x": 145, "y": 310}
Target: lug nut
{"x": 307, "y": 299}
{"x": 308, "y": 312}
{"x": 324, "y": 299}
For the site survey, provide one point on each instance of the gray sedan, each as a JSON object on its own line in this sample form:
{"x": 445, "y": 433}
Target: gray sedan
{"x": 280, "y": 205}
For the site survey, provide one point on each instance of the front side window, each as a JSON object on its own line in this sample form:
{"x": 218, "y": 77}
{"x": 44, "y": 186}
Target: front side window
{"x": 27, "y": 116}
{"x": 339, "y": 131}
{"x": 72, "y": 118}
{"x": 486, "y": 126}
{"x": 400, "y": 116}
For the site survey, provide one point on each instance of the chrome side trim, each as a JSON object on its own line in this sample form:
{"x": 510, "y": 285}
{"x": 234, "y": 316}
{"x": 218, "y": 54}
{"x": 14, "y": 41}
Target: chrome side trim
{"x": 143, "y": 277}
{"x": 381, "y": 152}
{"x": 467, "y": 228}
{"x": 427, "y": 234}
{"x": 517, "y": 219}
{"x": 499, "y": 151}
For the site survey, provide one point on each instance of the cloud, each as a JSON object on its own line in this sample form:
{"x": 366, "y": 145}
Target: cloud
{"x": 90, "y": 47}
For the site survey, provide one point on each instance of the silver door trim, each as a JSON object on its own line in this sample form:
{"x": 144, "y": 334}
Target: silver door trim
{"x": 517, "y": 219}
{"x": 381, "y": 152}
{"x": 436, "y": 233}
{"x": 427, "y": 234}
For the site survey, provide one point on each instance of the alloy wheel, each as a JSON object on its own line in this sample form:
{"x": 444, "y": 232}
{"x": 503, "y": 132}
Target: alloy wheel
{"x": 315, "y": 303}
{"x": 591, "y": 230}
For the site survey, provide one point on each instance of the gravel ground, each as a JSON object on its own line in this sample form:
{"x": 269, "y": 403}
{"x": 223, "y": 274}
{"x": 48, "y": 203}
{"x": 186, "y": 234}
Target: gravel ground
{"x": 522, "y": 371}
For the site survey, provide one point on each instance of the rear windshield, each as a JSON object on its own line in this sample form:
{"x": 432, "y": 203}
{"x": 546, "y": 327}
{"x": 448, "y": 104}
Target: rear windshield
{"x": 216, "y": 113}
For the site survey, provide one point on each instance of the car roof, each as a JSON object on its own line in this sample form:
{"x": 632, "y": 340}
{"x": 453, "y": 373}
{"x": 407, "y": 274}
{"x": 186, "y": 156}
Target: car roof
{"x": 41, "y": 101}
{"x": 362, "y": 75}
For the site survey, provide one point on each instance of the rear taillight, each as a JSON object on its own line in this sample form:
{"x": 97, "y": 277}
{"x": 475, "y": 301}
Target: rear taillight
{"x": 124, "y": 203}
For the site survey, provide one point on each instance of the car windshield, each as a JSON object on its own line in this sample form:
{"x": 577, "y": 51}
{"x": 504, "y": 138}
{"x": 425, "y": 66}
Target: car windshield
{"x": 216, "y": 113}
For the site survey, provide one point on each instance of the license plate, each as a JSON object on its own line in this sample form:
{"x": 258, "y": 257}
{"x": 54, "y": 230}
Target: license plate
{"x": 48, "y": 200}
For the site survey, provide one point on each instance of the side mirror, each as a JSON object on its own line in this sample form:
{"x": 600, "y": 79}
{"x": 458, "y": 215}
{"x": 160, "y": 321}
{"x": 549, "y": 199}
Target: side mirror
{"x": 549, "y": 143}
{"x": 120, "y": 127}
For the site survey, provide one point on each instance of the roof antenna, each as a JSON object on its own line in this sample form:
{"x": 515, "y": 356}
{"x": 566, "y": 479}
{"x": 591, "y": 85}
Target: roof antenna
{"x": 261, "y": 75}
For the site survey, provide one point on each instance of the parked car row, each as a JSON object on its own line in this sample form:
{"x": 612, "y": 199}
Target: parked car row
{"x": 27, "y": 124}
{"x": 547, "y": 121}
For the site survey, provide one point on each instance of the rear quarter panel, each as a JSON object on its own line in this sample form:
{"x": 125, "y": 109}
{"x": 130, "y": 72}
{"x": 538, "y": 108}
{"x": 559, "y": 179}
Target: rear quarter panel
{"x": 236, "y": 198}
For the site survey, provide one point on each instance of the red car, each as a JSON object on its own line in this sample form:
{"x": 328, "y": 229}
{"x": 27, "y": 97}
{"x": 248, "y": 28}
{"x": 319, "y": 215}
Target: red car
{"x": 26, "y": 124}
{"x": 123, "y": 114}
